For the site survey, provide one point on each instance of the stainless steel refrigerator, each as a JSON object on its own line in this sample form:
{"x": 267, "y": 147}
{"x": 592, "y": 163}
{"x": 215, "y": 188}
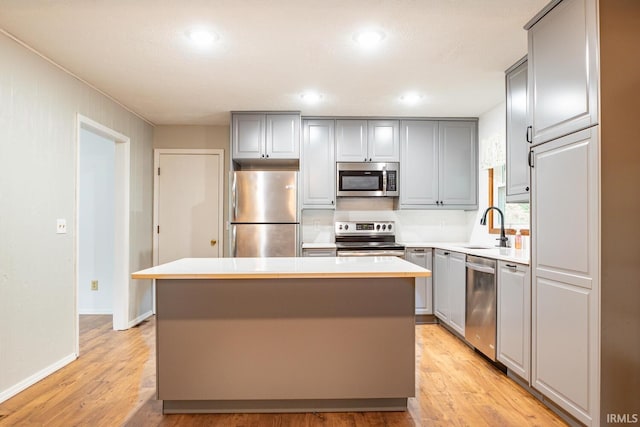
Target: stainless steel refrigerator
{"x": 264, "y": 214}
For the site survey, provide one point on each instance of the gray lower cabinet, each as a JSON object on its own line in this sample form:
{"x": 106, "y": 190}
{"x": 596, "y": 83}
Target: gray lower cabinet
{"x": 439, "y": 164}
{"x": 424, "y": 288}
{"x": 318, "y": 164}
{"x": 449, "y": 288}
{"x": 265, "y": 136}
{"x": 319, "y": 252}
{"x": 367, "y": 140}
{"x": 514, "y": 318}
{"x": 517, "y": 144}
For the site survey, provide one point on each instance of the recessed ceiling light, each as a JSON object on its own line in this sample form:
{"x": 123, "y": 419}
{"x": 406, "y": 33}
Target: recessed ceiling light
{"x": 411, "y": 98}
{"x": 311, "y": 97}
{"x": 369, "y": 38}
{"x": 202, "y": 38}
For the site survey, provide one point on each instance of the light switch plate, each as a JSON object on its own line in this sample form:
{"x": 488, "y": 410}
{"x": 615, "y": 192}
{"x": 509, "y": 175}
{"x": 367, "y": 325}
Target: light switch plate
{"x": 61, "y": 226}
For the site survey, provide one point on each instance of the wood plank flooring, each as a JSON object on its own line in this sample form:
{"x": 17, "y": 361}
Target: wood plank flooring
{"x": 113, "y": 384}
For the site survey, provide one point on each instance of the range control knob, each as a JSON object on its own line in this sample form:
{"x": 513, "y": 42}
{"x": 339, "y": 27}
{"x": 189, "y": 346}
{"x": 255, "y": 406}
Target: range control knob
{"x": 340, "y": 227}
{"x": 390, "y": 225}
{"x": 378, "y": 227}
{"x": 384, "y": 227}
{"x": 346, "y": 226}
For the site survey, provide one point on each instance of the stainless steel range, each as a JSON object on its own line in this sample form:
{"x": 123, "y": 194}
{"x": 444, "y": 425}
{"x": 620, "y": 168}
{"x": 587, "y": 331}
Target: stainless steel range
{"x": 367, "y": 238}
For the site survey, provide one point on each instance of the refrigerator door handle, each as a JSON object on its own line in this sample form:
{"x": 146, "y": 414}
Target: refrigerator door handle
{"x": 234, "y": 204}
{"x": 234, "y": 247}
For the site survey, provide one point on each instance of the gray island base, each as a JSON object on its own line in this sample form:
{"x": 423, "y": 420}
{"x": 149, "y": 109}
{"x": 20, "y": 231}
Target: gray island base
{"x": 258, "y": 343}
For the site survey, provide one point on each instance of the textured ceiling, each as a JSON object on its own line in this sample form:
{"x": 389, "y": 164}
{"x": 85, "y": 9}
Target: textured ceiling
{"x": 454, "y": 52}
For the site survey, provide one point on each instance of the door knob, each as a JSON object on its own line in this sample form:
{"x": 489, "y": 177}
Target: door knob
{"x": 213, "y": 242}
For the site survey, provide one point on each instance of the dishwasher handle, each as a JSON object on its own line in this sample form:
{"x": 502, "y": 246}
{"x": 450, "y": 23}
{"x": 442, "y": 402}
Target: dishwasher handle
{"x": 481, "y": 268}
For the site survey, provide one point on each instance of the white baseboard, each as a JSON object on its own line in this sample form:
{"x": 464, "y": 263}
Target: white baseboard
{"x": 95, "y": 311}
{"x": 28, "y": 382}
{"x": 140, "y": 318}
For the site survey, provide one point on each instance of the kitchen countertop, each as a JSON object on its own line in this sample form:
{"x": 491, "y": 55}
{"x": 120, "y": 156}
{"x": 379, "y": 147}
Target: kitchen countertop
{"x": 271, "y": 268}
{"x": 503, "y": 254}
{"x": 519, "y": 256}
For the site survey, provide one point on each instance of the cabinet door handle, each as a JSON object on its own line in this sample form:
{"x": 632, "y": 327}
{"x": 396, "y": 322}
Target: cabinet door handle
{"x": 418, "y": 250}
{"x": 529, "y": 134}
{"x": 526, "y": 189}
{"x": 530, "y": 160}
{"x": 511, "y": 266}
{"x": 447, "y": 253}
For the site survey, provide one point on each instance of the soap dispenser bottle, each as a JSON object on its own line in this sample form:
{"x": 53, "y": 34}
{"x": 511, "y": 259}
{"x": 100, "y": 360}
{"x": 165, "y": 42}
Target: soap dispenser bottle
{"x": 518, "y": 240}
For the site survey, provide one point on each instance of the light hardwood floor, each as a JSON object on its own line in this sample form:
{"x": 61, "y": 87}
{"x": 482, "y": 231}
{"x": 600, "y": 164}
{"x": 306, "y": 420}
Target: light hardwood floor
{"x": 113, "y": 383}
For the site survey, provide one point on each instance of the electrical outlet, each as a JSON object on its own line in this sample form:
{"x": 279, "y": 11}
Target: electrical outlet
{"x": 61, "y": 226}
{"x": 94, "y": 285}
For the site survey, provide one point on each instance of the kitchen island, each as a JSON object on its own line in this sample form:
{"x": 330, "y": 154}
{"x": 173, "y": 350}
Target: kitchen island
{"x": 284, "y": 334}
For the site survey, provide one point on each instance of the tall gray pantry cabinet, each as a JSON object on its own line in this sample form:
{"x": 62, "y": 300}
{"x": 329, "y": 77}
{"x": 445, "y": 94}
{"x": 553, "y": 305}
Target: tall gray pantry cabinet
{"x": 581, "y": 115}
{"x": 564, "y": 206}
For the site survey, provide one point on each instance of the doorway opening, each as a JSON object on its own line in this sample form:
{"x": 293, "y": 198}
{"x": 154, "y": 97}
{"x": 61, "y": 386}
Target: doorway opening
{"x": 102, "y": 223}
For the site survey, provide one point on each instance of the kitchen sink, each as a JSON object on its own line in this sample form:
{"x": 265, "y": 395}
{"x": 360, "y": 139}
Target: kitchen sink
{"x": 478, "y": 247}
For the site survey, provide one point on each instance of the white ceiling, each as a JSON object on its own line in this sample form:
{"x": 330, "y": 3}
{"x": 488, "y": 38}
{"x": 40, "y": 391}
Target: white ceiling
{"x": 454, "y": 52}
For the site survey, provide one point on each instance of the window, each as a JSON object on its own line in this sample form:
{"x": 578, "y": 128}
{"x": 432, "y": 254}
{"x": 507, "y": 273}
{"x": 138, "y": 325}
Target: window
{"x": 516, "y": 214}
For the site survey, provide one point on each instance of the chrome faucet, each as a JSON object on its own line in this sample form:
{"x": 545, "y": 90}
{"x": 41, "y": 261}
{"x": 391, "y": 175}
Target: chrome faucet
{"x": 503, "y": 238}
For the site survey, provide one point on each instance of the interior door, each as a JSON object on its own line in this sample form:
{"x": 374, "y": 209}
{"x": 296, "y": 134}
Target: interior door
{"x": 188, "y": 204}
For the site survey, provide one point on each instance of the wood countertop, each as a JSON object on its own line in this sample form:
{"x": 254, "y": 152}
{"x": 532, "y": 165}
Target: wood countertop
{"x": 291, "y": 268}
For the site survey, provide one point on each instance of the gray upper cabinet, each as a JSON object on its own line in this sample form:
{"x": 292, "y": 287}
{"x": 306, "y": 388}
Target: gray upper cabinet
{"x": 563, "y": 72}
{"x": 265, "y": 136}
{"x": 248, "y": 135}
{"x": 458, "y": 164}
{"x": 318, "y": 164}
{"x": 367, "y": 140}
{"x": 439, "y": 164}
{"x": 351, "y": 140}
{"x": 283, "y": 136}
{"x": 517, "y": 144}
{"x": 383, "y": 140}
{"x": 418, "y": 163}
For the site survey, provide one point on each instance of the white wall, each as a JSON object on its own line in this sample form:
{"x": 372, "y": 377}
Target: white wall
{"x": 39, "y": 104}
{"x": 491, "y": 133}
{"x": 96, "y": 226}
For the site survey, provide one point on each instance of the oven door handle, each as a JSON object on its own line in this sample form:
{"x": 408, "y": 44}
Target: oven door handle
{"x": 369, "y": 253}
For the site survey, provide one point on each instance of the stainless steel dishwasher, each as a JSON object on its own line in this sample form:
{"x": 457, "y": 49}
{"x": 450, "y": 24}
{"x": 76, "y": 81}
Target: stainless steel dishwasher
{"x": 480, "y": 323}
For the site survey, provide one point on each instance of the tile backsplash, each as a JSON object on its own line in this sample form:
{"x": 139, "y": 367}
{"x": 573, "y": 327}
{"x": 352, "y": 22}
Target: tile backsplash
{"x": 411, "y": 225}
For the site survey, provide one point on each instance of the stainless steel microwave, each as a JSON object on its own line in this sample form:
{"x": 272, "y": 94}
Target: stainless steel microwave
{"x": 367, "y": 179}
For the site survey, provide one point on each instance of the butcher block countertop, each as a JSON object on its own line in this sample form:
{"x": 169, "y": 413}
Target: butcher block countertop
{"x": 273, "y": 268}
